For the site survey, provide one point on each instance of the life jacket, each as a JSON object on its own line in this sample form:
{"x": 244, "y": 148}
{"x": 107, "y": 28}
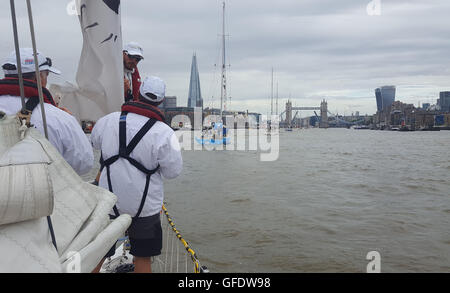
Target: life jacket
{"x": 10, "y": 86}
{"x": 143, "y": 109}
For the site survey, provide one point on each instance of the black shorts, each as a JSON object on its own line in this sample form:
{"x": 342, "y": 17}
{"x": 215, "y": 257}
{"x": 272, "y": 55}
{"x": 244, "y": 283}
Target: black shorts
{"x": 145, "y": 236}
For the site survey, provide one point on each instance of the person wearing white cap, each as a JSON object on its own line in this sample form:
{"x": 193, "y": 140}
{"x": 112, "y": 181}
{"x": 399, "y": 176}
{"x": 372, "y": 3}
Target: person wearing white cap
{"x": 64, "y": 132}
{"x": 132, "y": 55}
{"x": 148, "y": 152}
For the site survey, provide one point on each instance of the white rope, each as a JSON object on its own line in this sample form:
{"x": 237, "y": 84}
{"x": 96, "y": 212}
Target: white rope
{"x": 167, "y": 249}
{"x": 178, "y": 250}
{"x": 22, "y": 129}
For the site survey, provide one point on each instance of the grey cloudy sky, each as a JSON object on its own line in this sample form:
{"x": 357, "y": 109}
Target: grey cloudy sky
{"x": 318, "y": 48}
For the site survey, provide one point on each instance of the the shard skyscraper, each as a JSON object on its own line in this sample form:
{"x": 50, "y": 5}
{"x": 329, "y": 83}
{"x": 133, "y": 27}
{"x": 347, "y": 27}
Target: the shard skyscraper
{"x": 195, "y": 95}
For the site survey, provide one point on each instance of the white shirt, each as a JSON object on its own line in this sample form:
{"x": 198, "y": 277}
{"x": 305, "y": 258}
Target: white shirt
{"x": 158, "y": 146}
{"x": 128, "y": 74}
{"x": 64, "y": 132}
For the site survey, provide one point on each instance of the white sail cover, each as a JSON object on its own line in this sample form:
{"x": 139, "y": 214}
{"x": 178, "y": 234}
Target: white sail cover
{"x": 99, "y": 90}
{"x": 36, "y": 182}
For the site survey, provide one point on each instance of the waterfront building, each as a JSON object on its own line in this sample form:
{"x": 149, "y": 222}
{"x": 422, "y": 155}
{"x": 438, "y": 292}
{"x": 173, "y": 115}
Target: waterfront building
{"x": 169, "y": 102}
{"x": 387, "y": 95}
{"x": 444, "y": 101}
{"x": 378, "y": 98}
{"x": 182, "y": 114}
{"x": 195, "y": 95}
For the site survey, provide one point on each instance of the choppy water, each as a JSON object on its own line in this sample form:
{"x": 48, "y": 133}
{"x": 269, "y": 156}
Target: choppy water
{"x": 331, "y": 197}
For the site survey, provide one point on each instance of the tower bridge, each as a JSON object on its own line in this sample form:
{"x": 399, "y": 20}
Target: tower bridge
{"x": 323, "y": 113}
{"x": 335, "y": 119}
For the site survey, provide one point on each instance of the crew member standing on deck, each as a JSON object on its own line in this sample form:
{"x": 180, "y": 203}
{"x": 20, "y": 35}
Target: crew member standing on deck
{"x": 132, "y": 55}
{"x": 64, "y": 132}
{"x": 138, "y": 150}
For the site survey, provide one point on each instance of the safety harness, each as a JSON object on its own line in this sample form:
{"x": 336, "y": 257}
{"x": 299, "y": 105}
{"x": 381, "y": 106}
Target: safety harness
{"x": 10, "y": 86}
{"x": 125, "y": 150}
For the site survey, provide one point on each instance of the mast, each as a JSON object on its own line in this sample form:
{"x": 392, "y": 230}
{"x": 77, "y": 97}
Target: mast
{"x": 17, "y": 48}
{"x": 223, "y": 88}
{"x": 276, "y": 107}
{"x": 21, "y": 85}
{"x": 36, "y": 64}
{"x": 271, "y": 97}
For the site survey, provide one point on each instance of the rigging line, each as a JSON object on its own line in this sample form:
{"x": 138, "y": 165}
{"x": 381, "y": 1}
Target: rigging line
{"x": 171, "y": 252}
{"x": 167, "y": 248}
{"x": 178, "y": 250}
{"x": 228, "y": 56}
{"x": 214, "y": 80}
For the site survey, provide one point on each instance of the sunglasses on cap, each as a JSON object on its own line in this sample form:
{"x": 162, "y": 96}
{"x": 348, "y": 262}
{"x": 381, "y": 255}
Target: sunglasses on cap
{"x": 135, "y": 57}
{"x": 47, "y": 62}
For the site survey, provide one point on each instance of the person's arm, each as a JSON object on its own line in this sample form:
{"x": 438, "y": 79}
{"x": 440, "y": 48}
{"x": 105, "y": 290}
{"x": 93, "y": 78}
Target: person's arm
{"x": 96, "y": 141}
{"x": 77, "y": 150}
{"x": 96, "y": 134}
{"x": 169, "y": 157}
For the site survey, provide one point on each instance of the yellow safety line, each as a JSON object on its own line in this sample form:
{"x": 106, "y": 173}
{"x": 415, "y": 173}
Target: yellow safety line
{"x": 184, "y": 242}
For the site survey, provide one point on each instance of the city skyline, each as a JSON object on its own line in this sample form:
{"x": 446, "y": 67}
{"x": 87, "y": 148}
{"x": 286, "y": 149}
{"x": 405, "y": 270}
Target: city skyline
{"x": 195, "y": 93}
{"x": 319, "y": 50}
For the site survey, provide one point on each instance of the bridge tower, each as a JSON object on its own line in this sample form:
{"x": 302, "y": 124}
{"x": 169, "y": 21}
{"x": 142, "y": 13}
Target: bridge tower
{"x": 323, "y": 114}
{"x": 288, "y": 114}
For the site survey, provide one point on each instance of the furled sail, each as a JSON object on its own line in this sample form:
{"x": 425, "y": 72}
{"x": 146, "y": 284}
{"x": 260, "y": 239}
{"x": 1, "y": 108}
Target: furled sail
{"x": 99, "y": 88}
{"x": 37, "y": 182}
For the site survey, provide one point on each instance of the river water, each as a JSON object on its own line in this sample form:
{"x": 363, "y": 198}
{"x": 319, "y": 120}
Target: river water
{"x": 331, "y": 197}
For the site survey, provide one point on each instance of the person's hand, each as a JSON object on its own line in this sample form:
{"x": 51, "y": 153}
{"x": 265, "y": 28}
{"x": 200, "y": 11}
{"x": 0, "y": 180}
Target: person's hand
{"x": 65, "y": 110}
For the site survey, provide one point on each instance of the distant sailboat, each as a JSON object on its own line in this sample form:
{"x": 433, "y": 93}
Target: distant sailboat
{"x": 217, "y": 134}
{"x": 270, "y": 126}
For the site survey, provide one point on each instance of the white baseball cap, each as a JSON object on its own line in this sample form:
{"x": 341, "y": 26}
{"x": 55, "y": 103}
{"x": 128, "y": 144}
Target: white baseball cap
{"x": 153, "y": 85}
{"x": 27, "y": 62}
{"x": 134, "y": 49}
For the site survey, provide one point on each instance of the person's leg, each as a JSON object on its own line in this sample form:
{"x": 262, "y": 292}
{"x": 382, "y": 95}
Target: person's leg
{"x": 146, "y": 242}
{"x": 98, "y": 267}
{"x": 142, "y": 265}
{"x": 110, "y": 253}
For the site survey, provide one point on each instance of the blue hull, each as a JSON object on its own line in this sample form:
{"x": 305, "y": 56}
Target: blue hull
{"x": 225, "y": 140}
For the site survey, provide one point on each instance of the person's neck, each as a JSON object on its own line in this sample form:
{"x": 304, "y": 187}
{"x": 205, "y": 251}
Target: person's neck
{"x": 128, "y": 70}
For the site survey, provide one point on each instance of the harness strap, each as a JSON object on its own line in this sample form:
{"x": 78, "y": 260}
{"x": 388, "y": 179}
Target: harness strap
{"x": 32, "y": 103}
{"x": 141, "y": 133}
{"x": 124, "y": 152}
{"x": 25, "y": 114}
{"x": 144, "y": 196}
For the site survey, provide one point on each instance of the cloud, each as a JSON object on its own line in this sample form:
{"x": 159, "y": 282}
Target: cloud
{"x": 318, "y": 48}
